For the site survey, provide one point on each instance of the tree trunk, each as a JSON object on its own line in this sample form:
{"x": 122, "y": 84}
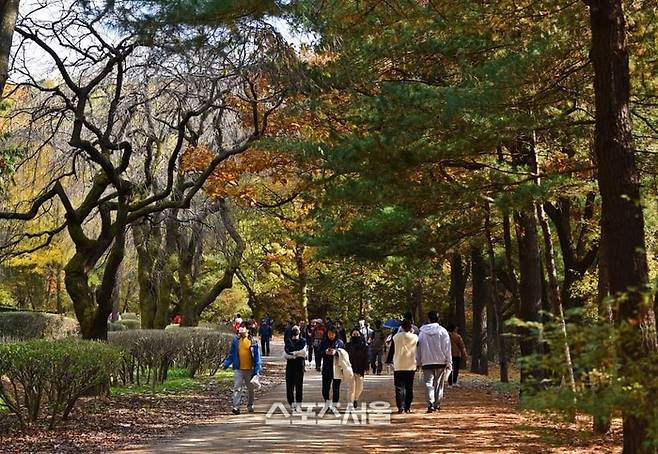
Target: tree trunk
{"x": 622, "y": 218}
{"x": 147, "y": 239}
{"x": 530, "y": 286}
{"x": 302, "y": 276}
{"x": 554, "y": 295}
{"x": 497, "y": 301}
{"x": 458, "y": 279}
{"x": 479, "y": 281}
{"x": 513, "y": 282}
{"x": 58, "y": 296}
{"x": 8, "y": 16}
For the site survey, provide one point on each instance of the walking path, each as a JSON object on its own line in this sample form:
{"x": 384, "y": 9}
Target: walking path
{"x": 470, "y": 421}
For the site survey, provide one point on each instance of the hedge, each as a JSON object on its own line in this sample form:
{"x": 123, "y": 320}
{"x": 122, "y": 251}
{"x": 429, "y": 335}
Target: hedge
{"x": 49, "y": 376}
{"x": 150, "y": 354}
{"x": 37, "y": 325}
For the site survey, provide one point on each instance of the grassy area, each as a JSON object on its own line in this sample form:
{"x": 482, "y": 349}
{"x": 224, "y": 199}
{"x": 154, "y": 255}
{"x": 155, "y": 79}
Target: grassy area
{"x": 178, "y": 382}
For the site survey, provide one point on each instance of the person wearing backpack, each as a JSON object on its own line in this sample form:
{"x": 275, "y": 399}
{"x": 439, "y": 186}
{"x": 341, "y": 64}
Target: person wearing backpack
{"x": 376, "y": 343}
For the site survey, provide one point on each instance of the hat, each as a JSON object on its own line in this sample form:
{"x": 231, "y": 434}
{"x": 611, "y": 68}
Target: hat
{"x": 242, "y": 329}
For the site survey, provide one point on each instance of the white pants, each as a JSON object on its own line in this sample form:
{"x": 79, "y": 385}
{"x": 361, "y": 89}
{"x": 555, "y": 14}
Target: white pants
{"x": 434, "y": 380}
{"x": 356, "y": 387}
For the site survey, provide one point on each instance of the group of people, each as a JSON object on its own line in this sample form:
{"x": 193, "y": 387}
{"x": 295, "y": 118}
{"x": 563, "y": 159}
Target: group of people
{"x": 432, "y": 350}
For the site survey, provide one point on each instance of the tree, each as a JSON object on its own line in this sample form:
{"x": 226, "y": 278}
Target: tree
{"x": 107, "y": 144}
{"x": 8, "y": 16}
{"x": 622, "y": 217}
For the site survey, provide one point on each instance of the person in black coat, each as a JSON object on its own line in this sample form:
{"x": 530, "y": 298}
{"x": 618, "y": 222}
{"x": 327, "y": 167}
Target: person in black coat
{"x": 295, "y": 354}
{"x": 328, "y": 348}
{"x": 358, "y": 351}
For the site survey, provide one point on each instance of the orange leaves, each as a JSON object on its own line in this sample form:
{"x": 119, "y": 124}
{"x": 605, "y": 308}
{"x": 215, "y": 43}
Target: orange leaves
{"x": 240, "y": 176}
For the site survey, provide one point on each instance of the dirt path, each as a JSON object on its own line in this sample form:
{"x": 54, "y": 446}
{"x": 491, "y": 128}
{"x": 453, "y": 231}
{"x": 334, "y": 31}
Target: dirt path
{"x": 473, "y": 419}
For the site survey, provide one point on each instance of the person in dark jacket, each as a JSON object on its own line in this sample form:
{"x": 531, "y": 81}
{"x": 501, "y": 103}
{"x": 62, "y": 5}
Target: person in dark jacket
{"x": 319, "y": 335}
{"x": 295, "y": 354}
{"x": 376, "y": 344}
{"x": 358, "y": 352}
{"x": 287, "y": 332}
{"x": 340, "y": 329}
{"x": 328, "y": 348}
{"x": 308, "y": 336}
{"x": 265, "y": 333}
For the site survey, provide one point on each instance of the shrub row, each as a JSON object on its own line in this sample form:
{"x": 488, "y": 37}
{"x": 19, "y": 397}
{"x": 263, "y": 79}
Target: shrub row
{"x": 49, "y": 376}
{"x": 37, "y": 325}
{"x": 148, "y": 355}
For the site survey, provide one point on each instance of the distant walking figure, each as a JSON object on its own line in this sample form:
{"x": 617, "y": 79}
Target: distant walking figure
{"x": 458, "y": 352}
{"x": 434, "y": 357}
{"x": 376, "y": 343}
{"x": 265, "y": 333}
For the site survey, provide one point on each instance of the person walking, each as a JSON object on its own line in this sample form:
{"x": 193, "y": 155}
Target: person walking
{"x": 265, "y": 333}
{"x": 287, "y": 332}
{"x": 376, "y": 343}
{"x": 308, "y": 336}
{"x": 340, "y": 330}
{"x": 358, "y": 355}
{"x": 402, "y": 354}
{"x": 364, "y": 329}
{"x": 434, "y": 357}
{"x": 458, "y": 350}
{"x": 295, "y": 353}
{"x": 319, "y": 334}
{"x": 245, "y": 358}
{"x": 329, "y": 349}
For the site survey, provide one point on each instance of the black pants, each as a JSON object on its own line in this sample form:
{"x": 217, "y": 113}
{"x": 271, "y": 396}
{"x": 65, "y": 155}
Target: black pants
{"x": 294, "y": 380}
{"x": 327, "y": 383}
{"x": 318, "y": 357}
{"x": 404, "y": 388}
{"x": 265, "y": 346}
{"x": 456, "y": 362}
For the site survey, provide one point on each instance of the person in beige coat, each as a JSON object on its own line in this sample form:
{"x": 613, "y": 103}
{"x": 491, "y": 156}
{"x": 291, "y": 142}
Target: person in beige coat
{"x": 402, "y": 354}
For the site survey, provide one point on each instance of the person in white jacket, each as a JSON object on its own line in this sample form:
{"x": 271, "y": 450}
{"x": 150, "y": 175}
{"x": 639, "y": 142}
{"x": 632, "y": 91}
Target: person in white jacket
{"x": 295, "y": 351}
{"x": 434, "y": 357}
{"x": 403, "y": 356}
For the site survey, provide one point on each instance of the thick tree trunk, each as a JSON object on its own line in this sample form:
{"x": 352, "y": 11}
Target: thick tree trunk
{"x": 530, "y": 286}
{"x": 479, "y": 362}
{"x": 622, "y": 218}
{"x": 147, "y": 241}
{"x": 8, "y": 16}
